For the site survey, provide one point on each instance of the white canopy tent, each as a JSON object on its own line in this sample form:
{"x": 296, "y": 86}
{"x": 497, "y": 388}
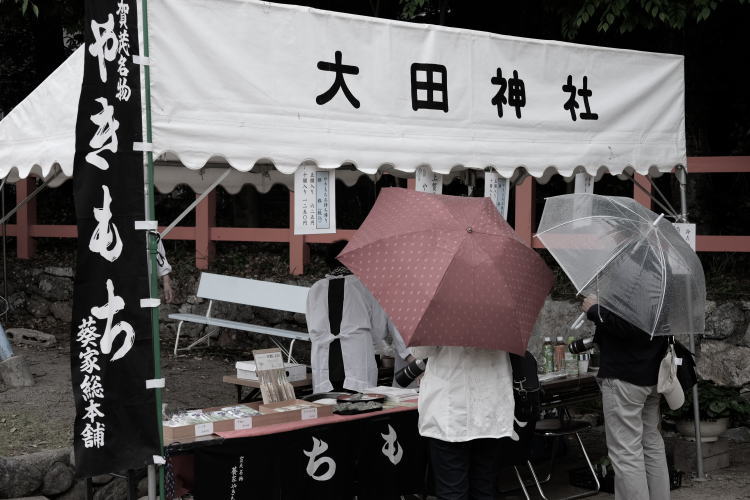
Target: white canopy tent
{"x": 224, "y": 93}
{"x": 266, "y": 88}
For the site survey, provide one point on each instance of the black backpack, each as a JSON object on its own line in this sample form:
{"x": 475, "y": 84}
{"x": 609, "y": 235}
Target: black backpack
{"x": 526, "y": 392}
{"x": 526, "y": 387}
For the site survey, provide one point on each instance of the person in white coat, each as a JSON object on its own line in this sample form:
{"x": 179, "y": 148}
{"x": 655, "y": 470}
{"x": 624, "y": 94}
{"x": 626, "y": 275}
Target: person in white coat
{"x": 465, "y": 406}
{"x": 347, "y": 329}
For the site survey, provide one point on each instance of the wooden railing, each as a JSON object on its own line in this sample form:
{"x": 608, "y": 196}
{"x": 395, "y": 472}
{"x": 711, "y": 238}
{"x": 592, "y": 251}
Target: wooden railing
{"x": 205, "y": 233}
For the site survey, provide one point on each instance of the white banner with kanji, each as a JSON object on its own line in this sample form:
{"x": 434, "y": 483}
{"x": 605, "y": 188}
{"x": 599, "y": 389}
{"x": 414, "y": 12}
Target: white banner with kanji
{"x": 249, "y": 81}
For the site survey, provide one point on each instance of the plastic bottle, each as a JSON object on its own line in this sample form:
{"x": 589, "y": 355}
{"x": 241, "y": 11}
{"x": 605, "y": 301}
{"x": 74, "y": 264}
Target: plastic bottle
{"x": 548, "y": 356}
{"x": 560, "y": 349}
{"x": 571, "y": 360}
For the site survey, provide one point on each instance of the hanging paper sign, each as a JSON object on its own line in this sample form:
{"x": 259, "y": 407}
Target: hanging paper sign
{"x": 584, "y": 183}
{"x": 427, "y": 181}
{"x": 687, "y": 231}
{"x": 116, "y": 426}
{"x": 497, "y": 189}
{"x": 314, "y": 200}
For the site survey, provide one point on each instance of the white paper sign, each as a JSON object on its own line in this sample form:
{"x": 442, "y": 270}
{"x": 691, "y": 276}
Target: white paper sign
{"x": 269, "y": 361}
{"x": 584, "y": 183}
{"x": 204, "y": 429}
{"x": 687, "y": 231}
{"x": 243, "y": 423}
{"x": 314, "y": 200}
{"x": 497, "y": 189}
{"x": 427, "y": 181}
{"x": 309, "y": 413}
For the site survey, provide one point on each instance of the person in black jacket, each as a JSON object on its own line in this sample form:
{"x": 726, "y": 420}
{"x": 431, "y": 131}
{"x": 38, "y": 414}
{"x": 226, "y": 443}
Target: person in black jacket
{"x": 628, "y": 372}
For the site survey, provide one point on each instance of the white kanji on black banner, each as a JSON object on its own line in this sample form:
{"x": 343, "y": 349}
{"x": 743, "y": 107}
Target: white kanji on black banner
{"x": 116, "y": 426}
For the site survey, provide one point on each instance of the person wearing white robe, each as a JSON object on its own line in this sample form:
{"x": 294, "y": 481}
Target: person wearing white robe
{"x": 465, "y": 405}
{"x": 364, "y": 331}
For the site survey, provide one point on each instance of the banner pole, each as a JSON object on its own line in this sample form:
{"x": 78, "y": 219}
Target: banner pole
{"x": 152, "y": 245}
{"x": 701, "y": 476}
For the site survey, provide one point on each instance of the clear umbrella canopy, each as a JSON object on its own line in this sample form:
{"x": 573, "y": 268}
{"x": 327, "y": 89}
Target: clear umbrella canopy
{"x": 633, "y": 260}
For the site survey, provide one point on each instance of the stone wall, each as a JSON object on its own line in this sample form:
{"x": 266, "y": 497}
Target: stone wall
{"x": 723, "y": 352}
{"x": 41, "y": 298}
{"x": 49, "y": 475}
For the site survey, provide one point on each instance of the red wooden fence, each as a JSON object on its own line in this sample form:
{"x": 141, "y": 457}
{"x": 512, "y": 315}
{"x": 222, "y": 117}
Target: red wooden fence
{"x": 205, "y": 233}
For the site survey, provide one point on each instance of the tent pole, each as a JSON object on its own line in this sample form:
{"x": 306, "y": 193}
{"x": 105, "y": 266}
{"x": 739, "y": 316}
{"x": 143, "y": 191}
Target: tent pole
{"x": 668, "y": 209}
{"x": 5, "y": 260}
{"x": 682, "y": 179}
{"x": 195, "y": 203}
{"x": 150, "y": 210}
{"x": 27, "y": 199}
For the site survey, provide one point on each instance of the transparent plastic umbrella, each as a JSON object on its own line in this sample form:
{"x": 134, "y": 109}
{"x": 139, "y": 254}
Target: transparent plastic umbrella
{"x": 635, "y": 261}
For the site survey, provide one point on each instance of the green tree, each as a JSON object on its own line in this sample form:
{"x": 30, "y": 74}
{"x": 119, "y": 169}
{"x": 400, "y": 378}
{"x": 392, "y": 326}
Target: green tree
{"x": 623, "y": 16}
{"x": 25, "y": 4}
{"x": 35, "y": 38}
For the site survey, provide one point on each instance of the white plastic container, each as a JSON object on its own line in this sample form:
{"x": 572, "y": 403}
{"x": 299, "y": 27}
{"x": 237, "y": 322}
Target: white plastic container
{"x": 246, "y": 371}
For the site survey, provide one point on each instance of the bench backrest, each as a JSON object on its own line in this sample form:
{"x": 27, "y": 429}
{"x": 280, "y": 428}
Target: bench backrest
{"x": 253, "y": 292}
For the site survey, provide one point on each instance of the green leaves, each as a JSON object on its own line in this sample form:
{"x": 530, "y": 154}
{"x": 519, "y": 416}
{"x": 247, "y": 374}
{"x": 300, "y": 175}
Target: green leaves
{"x": 410, "y": 8}
{"x": 25, "y": 4}
{"x": 714, "y": 402}
{"x": 628, "y": 15}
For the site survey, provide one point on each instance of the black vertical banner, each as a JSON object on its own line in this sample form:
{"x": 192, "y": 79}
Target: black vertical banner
{"x": 111, "y": 351}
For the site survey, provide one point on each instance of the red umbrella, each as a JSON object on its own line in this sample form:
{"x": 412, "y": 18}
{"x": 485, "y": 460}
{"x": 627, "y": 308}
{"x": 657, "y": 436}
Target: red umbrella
{"x": 449, "y": 271}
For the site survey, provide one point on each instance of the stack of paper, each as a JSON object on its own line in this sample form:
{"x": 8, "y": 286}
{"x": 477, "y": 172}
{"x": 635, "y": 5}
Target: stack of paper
{"x": 394, "y": 394}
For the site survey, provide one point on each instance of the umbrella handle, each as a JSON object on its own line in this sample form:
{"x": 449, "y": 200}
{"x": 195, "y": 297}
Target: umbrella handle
{"x": 578, "y": 322}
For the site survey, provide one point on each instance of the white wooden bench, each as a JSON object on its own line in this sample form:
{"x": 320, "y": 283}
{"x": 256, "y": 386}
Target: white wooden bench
{"x": 217, "y": 287}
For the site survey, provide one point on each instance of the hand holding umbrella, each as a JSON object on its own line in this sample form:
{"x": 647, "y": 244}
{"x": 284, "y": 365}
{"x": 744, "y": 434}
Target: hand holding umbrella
{"x": 636, "y": 263}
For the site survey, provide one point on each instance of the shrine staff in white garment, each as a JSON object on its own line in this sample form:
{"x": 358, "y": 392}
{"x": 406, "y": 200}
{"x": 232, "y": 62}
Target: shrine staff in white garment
{"x": 347, "y": 329}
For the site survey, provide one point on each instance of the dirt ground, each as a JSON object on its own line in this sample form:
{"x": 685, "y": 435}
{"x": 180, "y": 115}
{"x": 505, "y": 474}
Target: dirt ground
{"x": 41, "y": 417}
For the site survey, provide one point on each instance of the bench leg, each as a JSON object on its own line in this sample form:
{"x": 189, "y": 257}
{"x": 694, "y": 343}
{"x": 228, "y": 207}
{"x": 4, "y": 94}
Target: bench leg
{"x": 281, "y": 348}
{"x": 291, "y": 347}
{"x": 205, "y": 337}
{"x": 177, "y": 340}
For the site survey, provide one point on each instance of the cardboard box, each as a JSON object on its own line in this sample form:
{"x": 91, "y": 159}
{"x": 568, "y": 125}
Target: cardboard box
{"x": 295, "y": 409}
{"x": 246, "y": 370}
{"x": 270, "y": 415}
{"x": 172, "y": 434}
